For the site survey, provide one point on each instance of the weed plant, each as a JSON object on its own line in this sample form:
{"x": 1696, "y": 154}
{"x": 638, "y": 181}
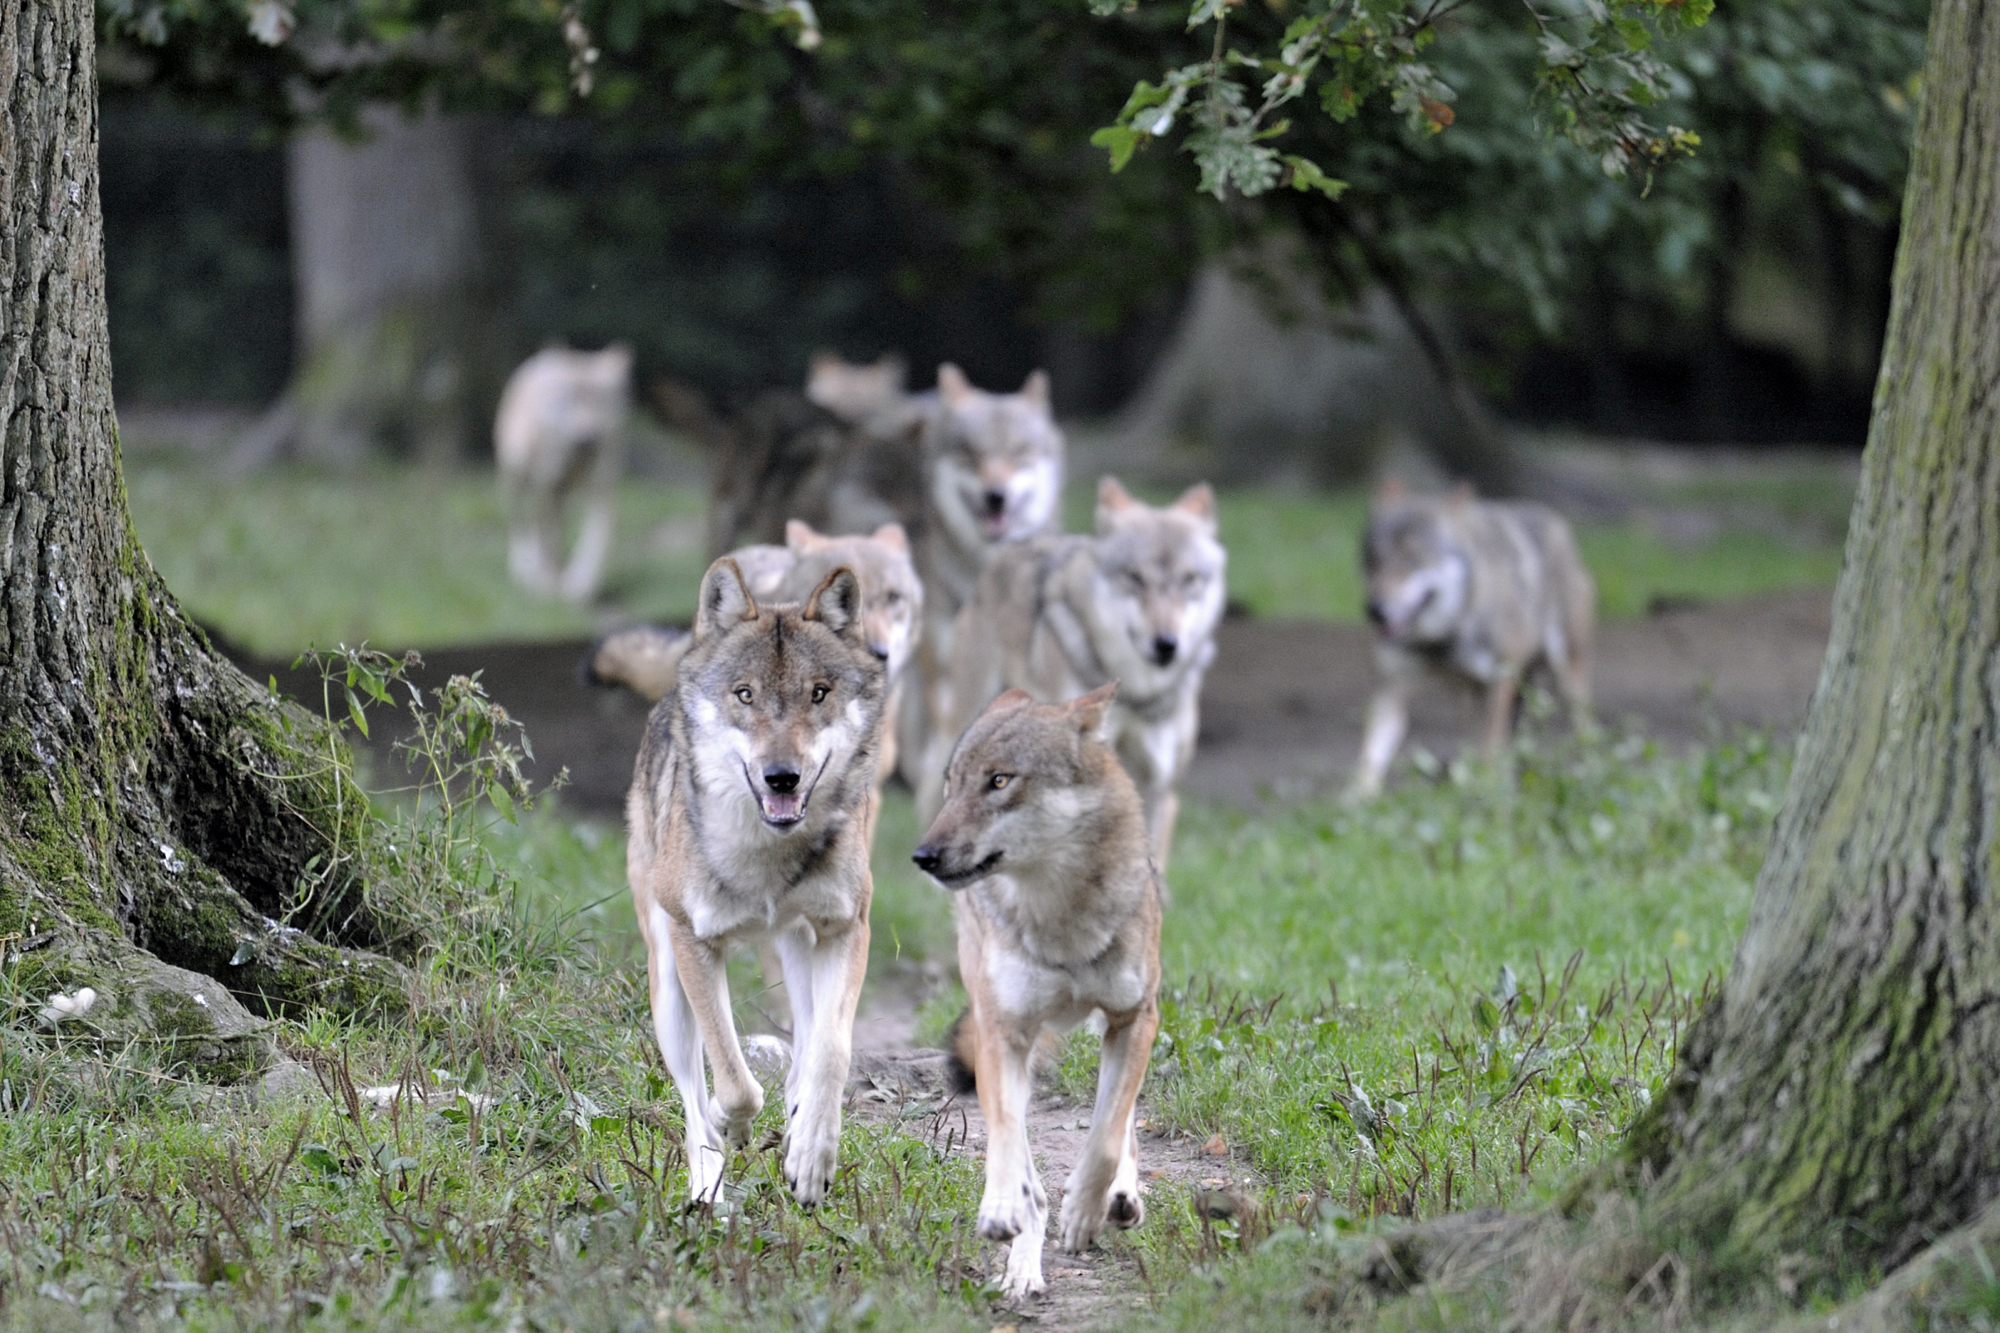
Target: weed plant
{"x": 1448, "y": 999}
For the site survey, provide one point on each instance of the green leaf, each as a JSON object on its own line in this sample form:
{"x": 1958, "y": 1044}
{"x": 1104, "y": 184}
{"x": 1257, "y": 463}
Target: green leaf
{"x": 1302, "y": 174}
{"x": 354, "y": 709}
{"x": 1120, "y": 142}
{"x": 496, "y": 792}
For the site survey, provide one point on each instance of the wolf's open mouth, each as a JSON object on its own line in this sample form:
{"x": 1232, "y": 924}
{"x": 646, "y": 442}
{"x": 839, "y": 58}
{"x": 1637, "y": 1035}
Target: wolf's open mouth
{"x": 782, "y": 809}
{"x": 995, "y": 524}
{"x": 956, "y": 878}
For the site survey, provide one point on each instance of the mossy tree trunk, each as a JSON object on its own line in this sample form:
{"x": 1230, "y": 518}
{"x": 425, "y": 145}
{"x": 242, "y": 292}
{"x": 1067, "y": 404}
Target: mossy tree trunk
{"x": 1840, "y": 1104}
{"x": 159, "y": 814}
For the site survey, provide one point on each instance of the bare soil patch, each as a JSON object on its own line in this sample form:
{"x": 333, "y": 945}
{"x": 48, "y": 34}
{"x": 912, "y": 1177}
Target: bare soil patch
{"x": 1282, "y": 709}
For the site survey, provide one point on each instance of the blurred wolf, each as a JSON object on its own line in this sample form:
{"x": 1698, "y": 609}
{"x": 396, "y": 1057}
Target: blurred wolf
{"x": 750, "y": 819}
{"x": 1138, "y": 604}
{"x": 560, "y": 432}
{"x": 1476, "y": 589}
{"x": 993, "y": 475}
{"x": 870, "y": 396}
{"x": 644, "y": 658}
{"x": 1043, "y": 841}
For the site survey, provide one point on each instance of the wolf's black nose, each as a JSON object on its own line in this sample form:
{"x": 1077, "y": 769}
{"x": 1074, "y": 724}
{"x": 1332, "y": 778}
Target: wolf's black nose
{"x": 1164, "y": 648}
{"x": 996, "y": 503}
{"x": 1376, "y": 613}
{"x": 881, "y": 650}
{"x": 781, "y": 778}
{"x": 928, "y": 858}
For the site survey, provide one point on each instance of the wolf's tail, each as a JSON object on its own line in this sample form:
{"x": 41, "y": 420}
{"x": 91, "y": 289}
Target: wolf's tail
{"x": 644, "y": 659}
{"x": 960, "y": 1057}
{"x": 961, "y": 1054}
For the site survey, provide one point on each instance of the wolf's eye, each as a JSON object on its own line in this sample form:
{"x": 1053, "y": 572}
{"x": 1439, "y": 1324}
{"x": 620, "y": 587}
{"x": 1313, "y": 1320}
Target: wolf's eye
{"x": 999, "y": 780}
{"x": 1134, "y": 581}
{"x": 819, "y": 693}
{"x": 743, "y": 694}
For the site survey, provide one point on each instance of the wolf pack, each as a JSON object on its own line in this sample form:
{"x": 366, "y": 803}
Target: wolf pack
{"x": 898, "y": 600}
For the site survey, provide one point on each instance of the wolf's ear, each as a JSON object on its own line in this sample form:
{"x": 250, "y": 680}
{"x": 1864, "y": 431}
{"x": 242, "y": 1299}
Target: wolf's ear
{"x": 1390, "y": 489}
{"x": 799, "y": 535}
{"x": 1088, "y": 710}
{"x": 724, "y": 600}
{"x": 1007, "y": 703}
{"x": 836, "y": 603}
{"x": 1036, "y": 390}
{"x": 893, "y": 365}
{"x": 952, "y": 384}
{"x": 893, "y": 536}
{"x": 1113, "y": 500}
{"x": 1198, "y": 500}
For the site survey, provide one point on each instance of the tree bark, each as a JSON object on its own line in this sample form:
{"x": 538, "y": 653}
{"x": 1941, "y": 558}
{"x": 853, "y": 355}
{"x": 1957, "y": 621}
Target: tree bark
{"x": 1840, "y": 1103}
{"x": 158, "y": 812}
{"x": 393, "y": 355}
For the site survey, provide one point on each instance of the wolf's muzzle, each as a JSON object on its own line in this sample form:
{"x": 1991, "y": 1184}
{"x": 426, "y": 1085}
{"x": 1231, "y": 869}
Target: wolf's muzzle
{"x": 1164, "y": 648}
{"x": 930, "y": 860}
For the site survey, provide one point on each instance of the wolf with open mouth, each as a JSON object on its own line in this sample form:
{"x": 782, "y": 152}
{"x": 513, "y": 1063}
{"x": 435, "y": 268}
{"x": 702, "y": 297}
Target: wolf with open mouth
{"x": 750, "y": 818}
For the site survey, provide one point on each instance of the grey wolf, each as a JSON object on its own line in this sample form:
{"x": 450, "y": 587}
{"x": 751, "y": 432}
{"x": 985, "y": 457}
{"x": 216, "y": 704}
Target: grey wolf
{"x": 750, "y": 818}
{"x": 1043, "y": 841}
{"x": 644, "y": 658}
{"x": 1478, "y": 590}
{"x": 993, "y": 468}
{"x": 1137, "y": 603}
{"x": 559, "y": 435}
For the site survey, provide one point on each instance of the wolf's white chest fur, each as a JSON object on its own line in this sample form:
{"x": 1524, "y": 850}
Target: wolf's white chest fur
{"x": 1060, "y": 962}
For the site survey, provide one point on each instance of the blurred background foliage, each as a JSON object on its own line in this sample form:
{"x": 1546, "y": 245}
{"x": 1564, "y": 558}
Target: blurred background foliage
{"x": 923, "y": 181}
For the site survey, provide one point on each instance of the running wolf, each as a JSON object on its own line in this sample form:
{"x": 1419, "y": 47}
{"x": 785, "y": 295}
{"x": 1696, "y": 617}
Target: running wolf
{"x": 559, "y": 433}
{"x": 1044, "y": 843}
{"x": 994, "y": 474}
{"x": 1138, "y": 603}
{"x": 750, "y": 819}
{"x": 643, "y": 658}
{"x": 1476, "y": 589}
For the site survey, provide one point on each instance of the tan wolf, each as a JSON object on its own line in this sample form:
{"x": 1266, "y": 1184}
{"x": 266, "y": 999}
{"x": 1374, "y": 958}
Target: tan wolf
{"x": 993, "y": 475}
{"x": 1138, "y": 603}
{"x": 1044, "y": 842}
{"x": 1479, "y": 590}
{"x": 871, "y": 396}
{"x": 559, "y": 435}
{"x": 750, "y": 819}
{"x": 643, "y": 658}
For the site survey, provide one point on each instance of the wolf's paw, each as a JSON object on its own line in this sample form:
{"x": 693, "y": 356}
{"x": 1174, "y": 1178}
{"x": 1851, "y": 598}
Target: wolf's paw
{"x": 1080, "y": 1221}
{"x": 1006, "y": 1212}
{"x": 1127, "y": 1209}
{"x": 812, "y": 1156}
{"x": 733, "y": 1122}
{"x": 1024, "y": 1271}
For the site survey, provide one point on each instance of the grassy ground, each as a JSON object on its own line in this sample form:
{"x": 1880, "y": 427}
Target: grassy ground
{"x": 279, "y": 560}
{"x": 1448, "y": 1000}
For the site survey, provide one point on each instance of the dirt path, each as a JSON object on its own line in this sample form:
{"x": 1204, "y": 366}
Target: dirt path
{"x": 1282, "y": 707}
{"x": 1085, "y": 1291}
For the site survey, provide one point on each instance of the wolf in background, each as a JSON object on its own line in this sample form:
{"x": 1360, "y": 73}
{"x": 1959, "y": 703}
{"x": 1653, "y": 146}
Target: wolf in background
{"x": 1043, "y": 842}
{"x": 1057, "y": 616}
{"x": 1478, "y": 590}
{"x": 750, "y": 819}
{"x": 993, "y": 476}
{"x": 559, "y": 434}
{"x": 871, "y": 396}
{"x": 644, "y": 658}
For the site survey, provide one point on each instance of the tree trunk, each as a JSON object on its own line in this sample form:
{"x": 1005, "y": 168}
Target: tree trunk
{"x": 158, "y": 813}
{"x": 392, "y": 353}
{"x": 1840, "y": 1103}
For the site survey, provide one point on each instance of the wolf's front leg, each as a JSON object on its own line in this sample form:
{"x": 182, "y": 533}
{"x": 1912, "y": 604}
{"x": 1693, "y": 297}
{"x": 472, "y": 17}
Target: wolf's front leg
{"x": 1088, "y": 1199}
{"x": 1388, "y": 723}
{"x": 827, "y": 973}
{"x": 593, "y": 542}
{"x": 705, "y": 980}
{"x": 674, "y": 1027}
{"x": 1015, "y": 1206}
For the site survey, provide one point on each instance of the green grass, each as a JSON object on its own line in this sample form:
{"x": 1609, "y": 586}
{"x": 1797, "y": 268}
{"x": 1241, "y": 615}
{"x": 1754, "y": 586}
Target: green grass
{"x": 405, "y": 558}
{"x": 401, "y": 557}
{"x": 1451, "y": 999}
